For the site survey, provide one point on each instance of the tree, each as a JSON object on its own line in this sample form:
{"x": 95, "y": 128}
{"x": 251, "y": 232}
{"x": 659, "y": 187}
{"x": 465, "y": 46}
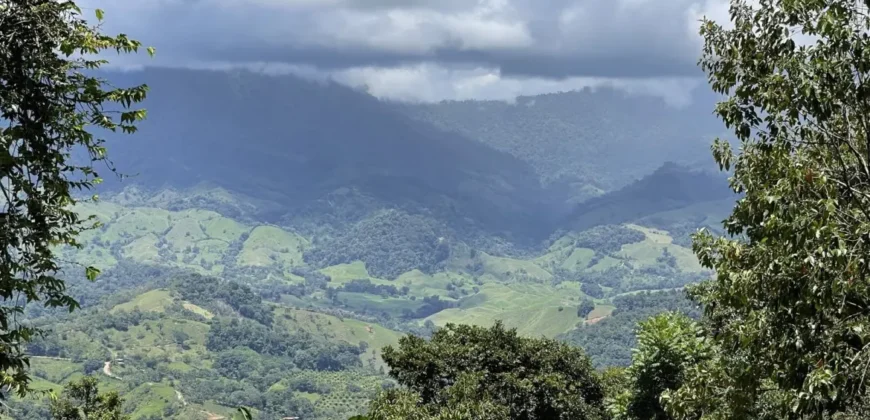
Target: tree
{"x": 791, "y": 299}
{"x": 498, "y": 370}
{"x": 81, "y": 400}
{"x": 49, "y": 103}
{"x": 669, "y": 345}
{"x": 586, "y": 307}
{"x": 464, "y": 402}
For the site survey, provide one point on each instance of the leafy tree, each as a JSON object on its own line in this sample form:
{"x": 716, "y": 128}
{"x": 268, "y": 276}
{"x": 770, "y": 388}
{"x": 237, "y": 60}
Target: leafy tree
{"x": 49, "y": 102}
{"x": 464, "y": 402}
{"x": 81, "y": 400}
{"x": 586, "y": 307}
{"x": 791, "y": 299}
{"x": 592, "y": 289}
{"x": 668, "y": 345}
{"x": 610, "y": 341}
{"x": 528, "y": 378}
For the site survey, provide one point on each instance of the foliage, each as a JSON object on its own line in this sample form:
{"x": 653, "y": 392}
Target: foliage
{"x": 464, "y": 401}
{"x": 790, "y": 303}
{"x": 431, "y": 305}
{"x": 608, "y": 239}
{"x": 668, "y": 188}
{"x": 305, "y": 351}
{"x": 625, "y": 278}
{"x": 49, "y": 101}
{"x": 668, "y": 345}
{"x": 390, "y": 243}
{"x": 593, "y": 290}
{"x": 366, "y": 286}
{"x": 577, "y": 136}
{"x": 81, "y": 400}
{"x": 205, "y": 291}
{"x": 610, "y": 341}
{"x": 532, "y": 378}
{"x": 586, "y": 307}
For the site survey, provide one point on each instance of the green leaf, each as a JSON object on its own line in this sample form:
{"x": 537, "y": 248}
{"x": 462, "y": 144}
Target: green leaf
{"x": 151, "y": 51}
{"x": 91, "y": 273}
{"x": 99, "y": 13}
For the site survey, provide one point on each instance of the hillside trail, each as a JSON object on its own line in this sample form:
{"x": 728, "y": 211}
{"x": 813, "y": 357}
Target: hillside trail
{"x": 212, "y": 416}
{"x": 64, "y": 359}
{"x": 594, "y": 320}
{"x": 180, "y": 397}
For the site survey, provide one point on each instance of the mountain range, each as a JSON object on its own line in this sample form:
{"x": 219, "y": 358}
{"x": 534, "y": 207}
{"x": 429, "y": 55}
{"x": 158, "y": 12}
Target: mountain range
{"x": 328, "y": 156}
{"x": 277, "y": 233}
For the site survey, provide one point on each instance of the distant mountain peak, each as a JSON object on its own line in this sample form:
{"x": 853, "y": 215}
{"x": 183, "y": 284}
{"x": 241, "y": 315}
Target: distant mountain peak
{"x": 669, "y": 187}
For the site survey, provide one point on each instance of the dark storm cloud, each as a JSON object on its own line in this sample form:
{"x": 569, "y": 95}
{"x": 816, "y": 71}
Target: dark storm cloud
{"x": 530, "y": 38}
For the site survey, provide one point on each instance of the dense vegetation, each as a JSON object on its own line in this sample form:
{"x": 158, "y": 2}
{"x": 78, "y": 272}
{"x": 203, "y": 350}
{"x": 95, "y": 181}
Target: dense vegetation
{"x": 610, "y": 341}
{"x": 256, "y": 349}
{"x": 607, "y": 239}
{"x": 390, "y": 243}
{"x": 670, "y": 187}
{"x": 177, "y": 355}
{"x": 496, "y": 371}
{"x": 323, "y": 155}
{"x": 50, "y": 105}
{"x": 291, "y": 299}
{"x": 576, "y": 133}
{"x": 784, "y": 324}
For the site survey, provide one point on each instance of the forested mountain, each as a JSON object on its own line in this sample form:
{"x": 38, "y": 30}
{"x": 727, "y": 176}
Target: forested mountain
{"x": 669, "y": 187}
{"x": 298, "y": 249}
{"x": 589, "y": 141}
{"x": 321, "y": 224}
{"x": 328, "y": 157}
{"x": 307, "y": 146}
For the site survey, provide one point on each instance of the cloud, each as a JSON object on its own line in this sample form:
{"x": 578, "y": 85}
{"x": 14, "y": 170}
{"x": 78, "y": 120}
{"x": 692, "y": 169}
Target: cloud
{"x": 430, "y": 82}
{"x": 452, "y": 47}
{"x": 556, "y": 38}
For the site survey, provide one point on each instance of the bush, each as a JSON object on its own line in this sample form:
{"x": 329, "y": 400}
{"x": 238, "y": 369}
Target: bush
{"x": 586, "y": 307}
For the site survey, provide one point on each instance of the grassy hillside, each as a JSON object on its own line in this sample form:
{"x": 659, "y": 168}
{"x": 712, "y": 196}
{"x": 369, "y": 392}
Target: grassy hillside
{"x": 158, "y": 350}
{"x": 469, "y": 285}
{"x": 261, "y": 323}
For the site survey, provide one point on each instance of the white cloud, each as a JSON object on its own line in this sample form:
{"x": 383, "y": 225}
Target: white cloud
{"x": 432, "y": 83}
{"x": 418, "y": 31}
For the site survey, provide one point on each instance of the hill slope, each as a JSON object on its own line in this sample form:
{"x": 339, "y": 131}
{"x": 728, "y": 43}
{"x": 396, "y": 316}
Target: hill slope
{"x": 670, "y": 187}
{"x": 595, "y": 140}
{"x": 307, "y": 146}
{"x": 197, "y": 347}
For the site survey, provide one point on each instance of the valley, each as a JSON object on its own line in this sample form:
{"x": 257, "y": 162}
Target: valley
{"x": 434, "y": 210}
{"x": 148, "y": 327}
{"x": 267, "y": 259}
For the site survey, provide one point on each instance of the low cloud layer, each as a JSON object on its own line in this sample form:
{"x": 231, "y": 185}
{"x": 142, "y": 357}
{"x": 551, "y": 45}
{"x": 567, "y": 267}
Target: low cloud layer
{"x": 448, "y": 49}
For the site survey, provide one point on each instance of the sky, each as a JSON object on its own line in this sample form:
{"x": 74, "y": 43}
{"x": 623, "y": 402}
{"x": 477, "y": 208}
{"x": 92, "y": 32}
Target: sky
{"x": 431, "y": 50}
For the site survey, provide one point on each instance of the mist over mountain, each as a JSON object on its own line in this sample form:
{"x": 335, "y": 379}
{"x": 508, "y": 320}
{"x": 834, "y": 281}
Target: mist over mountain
{"x": 588, "y": 141}
{"x": 303, "y": 144}
{"x": 670, "y": 187}
{"x": 328, "y": 157}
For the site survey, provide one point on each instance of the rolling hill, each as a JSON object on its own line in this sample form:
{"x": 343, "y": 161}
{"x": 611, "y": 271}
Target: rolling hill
{"x": 668, "y": 188}
{"x": 584, "y": 142}
{"x": 193, "y": 300}
{"x": 320, "y": 150}
{"x": 467, "y": 281}
{"x": 171, "y": 352}
{"x": 281, "y": 232}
